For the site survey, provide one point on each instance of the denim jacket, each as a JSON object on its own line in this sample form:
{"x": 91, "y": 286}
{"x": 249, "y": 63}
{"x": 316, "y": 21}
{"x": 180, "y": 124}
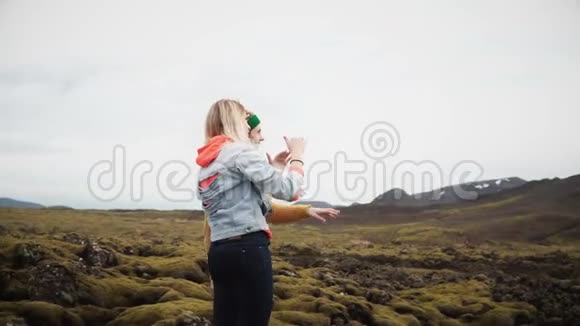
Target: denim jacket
{"x": 232, "y": 183}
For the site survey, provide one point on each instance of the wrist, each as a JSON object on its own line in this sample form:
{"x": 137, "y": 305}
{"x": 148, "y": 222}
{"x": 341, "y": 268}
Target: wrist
{"x": 297, "y": 156}
{"x": 296, "y": 160}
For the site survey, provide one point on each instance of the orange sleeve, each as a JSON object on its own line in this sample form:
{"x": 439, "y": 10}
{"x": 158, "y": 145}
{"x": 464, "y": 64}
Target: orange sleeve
{"x": 288, "y": 213}
{"x": 206, "y": 234}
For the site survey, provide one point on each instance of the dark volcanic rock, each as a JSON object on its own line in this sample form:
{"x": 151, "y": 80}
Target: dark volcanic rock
{"x": 95, "y": 255}
{"x": 26, "y": 254}
{"x": 53, "y": 282}
{"x": 362, "y": 313}
{"x": 350, "y": 265}
{"x": 13, "y": 321}
{"x": 339, "y": 320}
{"x": 187, "y": 318}
{"x": 74, "y": 238}
{"x": 286, "y": 272}
{"x": 292, "y": 250}
{"x": 548, "y": 282}
{"x": 301, "y": 256}
{"x": 378, "y": 296}
{"x": 547, "y": 295}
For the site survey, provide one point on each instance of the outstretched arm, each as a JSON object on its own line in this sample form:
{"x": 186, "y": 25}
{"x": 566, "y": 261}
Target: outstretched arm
{"x": 291, "y": 213}
{"x": 288, "y": 213}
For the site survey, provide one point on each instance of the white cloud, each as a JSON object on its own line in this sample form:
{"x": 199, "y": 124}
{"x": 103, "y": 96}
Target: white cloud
{"x": 78, "y": 77}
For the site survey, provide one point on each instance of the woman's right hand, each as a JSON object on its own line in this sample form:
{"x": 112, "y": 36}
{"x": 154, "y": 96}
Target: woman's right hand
{"x": 322, "y": 214}
{"x": 296, "y": 147}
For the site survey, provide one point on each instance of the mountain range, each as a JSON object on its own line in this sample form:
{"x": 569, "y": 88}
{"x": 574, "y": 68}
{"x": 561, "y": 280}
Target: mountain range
{"x": 9, "y": 202}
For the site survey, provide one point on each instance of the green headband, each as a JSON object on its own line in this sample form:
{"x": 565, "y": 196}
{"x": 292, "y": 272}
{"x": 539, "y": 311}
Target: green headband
{"x": 253, "y": 121}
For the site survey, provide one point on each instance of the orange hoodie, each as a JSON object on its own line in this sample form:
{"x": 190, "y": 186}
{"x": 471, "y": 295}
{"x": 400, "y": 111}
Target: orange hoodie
{"x": 208, "y": 153}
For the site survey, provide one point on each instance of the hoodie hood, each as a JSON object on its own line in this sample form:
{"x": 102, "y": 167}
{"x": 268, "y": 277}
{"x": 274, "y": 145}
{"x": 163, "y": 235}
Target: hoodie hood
{"x": 208, "y": 153}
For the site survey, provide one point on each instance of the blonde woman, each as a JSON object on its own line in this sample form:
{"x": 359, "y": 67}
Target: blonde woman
{"x": 233, "y": 180}
{"x": 279, "y": 213}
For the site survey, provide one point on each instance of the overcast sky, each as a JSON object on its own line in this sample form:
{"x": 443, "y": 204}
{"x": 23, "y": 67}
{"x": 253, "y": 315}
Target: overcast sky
{"x": 495, "y": 82}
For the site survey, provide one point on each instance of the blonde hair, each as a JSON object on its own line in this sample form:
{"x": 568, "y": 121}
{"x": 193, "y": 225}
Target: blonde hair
{"x": 227, "y": 117}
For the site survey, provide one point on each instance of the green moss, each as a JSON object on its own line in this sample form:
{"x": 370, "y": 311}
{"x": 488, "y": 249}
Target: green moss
{"x": 287, "y": 291}
{"x": 282, "y": 279}
{"x": 356, "y": 307}
{"x": 455, "y": 311}
{"x": 175, "y": 267}
{"x": 148, "y": 295}
{"x": 497, "y": 317}
{"x": 424, "y": 233}
{"x": 20, "y": 253}
{"x": 382, "y": 321}
{"x": 330, "y": 308}
{"x": 149, "y": 314}
{"x": 93, "y": 315}
{"x": 347, "y": 286}
{"x": 169, "y": 274}
{"x": 301, "y": 302}
{"x": 108, "y": 292}
{"x": 405, "y": 308}
{"x": 453, "y": 291}
{"x": 171, "y": 295}
{"x": 125, "y": 291}
{"x": 450, "y": 322}
{"x": 13, "y": 285}
{"x": 166, "y": 322}
{"x": 188, "y": 288}
{"x": 520, "y": 306}
{"x": 447, "y": 301}
{"x": 410, "y": 320}
{"x": 42, "y": 313}
{"x": 280, "y": 264}
{"x": 385, "y": 315}
{"x": 503, "y": 316}
{"x": 314, "y": 272}
{"x": 299, "y": 318}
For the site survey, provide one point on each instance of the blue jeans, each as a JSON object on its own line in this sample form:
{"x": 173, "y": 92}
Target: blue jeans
{"x": 241, "y": 271}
